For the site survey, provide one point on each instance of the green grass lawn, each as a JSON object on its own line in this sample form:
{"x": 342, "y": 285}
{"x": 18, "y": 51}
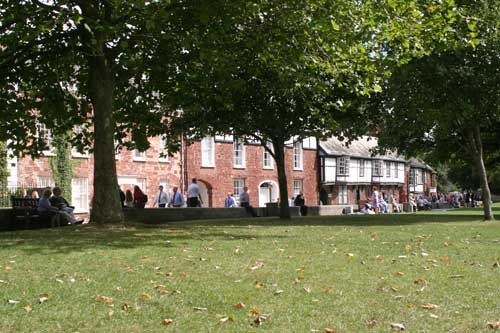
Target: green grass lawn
{"x": 432, "y": 272}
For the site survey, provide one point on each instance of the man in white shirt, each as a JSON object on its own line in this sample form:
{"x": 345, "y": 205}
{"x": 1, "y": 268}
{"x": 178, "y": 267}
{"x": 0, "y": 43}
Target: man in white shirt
{"x": 161, "y": 198}
{"x": 193, "y": 194}
{"x": 177, "y": 198}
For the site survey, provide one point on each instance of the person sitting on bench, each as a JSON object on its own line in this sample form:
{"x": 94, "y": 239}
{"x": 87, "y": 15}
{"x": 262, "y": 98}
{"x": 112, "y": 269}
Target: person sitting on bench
{"x": 65, "y": 209}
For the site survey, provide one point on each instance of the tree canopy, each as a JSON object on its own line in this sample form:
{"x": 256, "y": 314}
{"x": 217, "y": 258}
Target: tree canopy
{"x": 271, "y": 71}
{"x": 449, "y": 101}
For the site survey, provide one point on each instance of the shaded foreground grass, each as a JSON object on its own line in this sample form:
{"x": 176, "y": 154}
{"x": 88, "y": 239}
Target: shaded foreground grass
{"x": 430, "y": 272}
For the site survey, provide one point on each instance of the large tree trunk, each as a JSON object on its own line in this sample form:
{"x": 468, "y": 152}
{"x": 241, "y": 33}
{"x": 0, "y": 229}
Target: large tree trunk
{"x": 476, "y": 148}
{"x": 279, "y": 157}
{"x": 106, "y": 207}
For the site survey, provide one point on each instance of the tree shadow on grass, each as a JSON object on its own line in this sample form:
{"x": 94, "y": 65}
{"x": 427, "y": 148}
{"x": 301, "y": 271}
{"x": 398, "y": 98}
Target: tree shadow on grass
{"x": 343, "y": 220}
{"x": 92, "y": 237}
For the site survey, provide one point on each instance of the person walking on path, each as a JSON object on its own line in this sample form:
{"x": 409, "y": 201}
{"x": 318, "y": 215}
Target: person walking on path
{"x": 177, "y": 199}
{"x": 245, "y": 201}
{"x": 193, "y": 194}
{"x": 161, "y": 198}
{"x": 229, "y": 202}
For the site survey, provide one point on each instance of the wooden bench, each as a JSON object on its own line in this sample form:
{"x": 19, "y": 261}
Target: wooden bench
{"x": 26, "y": 209}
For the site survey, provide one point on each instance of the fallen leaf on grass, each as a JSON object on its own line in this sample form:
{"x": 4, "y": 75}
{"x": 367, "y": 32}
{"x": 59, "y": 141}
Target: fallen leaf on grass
{"x": 432, "y": 315}
{"x": 146, "y": 296}
{"x": 197, "y": 308}
{"x": 12, "y": 301}
{"x": 399, "y": 273}
{"x": 167, "y": 321}
{"x": 259, "y": 285}
{"x": 104, "y": 299}
{"x": 43, "y": 299}
{"x": 459, "y": 276}
{"x": 398, "y": 326}
{"x": 125, "y": 307}
{"x": 371, "y": 323}
{"x": 111, "y": 313}
{"x": 257, "y": 265}
{"x": 422, "y": 282}
{"x": 330, "y": 330}
{"x": 239, "y": 305}
{"x": 494, "y": 325}
{"x": 279, "y": 291}
{"x": 225, "y": 319}
{"x": 254, "y": 312}
{"x": 446, "y": 244}
{"x": 429, "y": 306}
{"x": 28, "y": 308}
{"x": 496, "y": 264}
{"x": 261, "y": 318}
{"x": 307, "y": 289}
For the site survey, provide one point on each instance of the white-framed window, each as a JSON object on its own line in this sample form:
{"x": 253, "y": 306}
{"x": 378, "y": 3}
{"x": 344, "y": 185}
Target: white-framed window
{"x": 361, "y": 168}
{"x": 139, "y": 155}
{"x": 45, "y": 181}
{"x": 298, "y": 156}
{"x": 238, "y": 184}
{"x": 268, "y": 162}
{"x": 162, "y": 152}
{"x": 297, "y": 186}
{"x": 74, "y": 152}
{"x": 80, "y": 194}
{"x": 45, "y": 134}
{"x": 343, "y": 166}
{"x": 207, "y": 152}
{"x": 343, "y": 194}
{"x": 387, "y": 169}
{"x": 396, "y": 170}
{"x": 420, "y": 176}
{"x": 117, "y": 150}
{"x": 238, "y": 153}
{"x": 377, "y": 168}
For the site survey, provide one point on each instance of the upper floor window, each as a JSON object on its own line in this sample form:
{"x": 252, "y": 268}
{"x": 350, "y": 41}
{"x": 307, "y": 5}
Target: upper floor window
{"x": 361, "y": 168}
{"x": 377, "y": 168}
{"x": 298, "y": 156}
{"x": 207, "y": 152}
{"x": 268, "y": 159}
{"x": 139, "y": 155}
{"x": 343, "y": 166}
{"x": 396, "y": 170}
{"x": 387, "y": 169}
{"x": 238, "y": 153}
{"x": 78, "y": 131}
{"x": 45, "y": 134}
{"x": 162, "y": 152}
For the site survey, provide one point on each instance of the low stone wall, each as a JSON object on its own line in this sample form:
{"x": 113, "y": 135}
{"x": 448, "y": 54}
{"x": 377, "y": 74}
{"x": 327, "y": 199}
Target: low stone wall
{"x": 327, "y": 210}
{"x": 165, "y": 215}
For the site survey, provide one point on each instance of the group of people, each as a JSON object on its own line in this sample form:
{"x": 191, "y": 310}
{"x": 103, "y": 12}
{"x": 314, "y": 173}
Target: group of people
{"x": 380, "y": 203}
{"x": 138, "y": 199}
{"x": 53, "y": 205}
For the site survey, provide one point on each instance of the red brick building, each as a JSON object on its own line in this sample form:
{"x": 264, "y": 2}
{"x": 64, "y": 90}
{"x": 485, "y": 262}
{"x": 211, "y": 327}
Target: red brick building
{"x": 220, "y": 165}
{"x": 223, "y": 165}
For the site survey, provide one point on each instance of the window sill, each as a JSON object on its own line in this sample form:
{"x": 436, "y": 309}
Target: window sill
{"x": 139, "y": 159}
{"x": 239, "y": 167}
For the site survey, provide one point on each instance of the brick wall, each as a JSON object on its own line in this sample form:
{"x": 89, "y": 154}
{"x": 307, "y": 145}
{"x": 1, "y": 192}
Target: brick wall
{"x": 219, "y": 179}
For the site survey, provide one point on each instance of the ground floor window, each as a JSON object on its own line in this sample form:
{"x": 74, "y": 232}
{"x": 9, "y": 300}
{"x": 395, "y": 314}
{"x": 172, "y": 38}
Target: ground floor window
{"x": 80, "y": 194}
{"x": 238, "y": 185}
{"x": 297, "y": 187}
{"x": 343, "y": 195}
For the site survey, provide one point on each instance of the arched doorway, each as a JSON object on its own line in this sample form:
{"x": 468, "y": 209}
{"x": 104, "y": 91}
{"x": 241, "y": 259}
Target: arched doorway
{"x": 205, "y": 193}
{"x": 268, "y": 192}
